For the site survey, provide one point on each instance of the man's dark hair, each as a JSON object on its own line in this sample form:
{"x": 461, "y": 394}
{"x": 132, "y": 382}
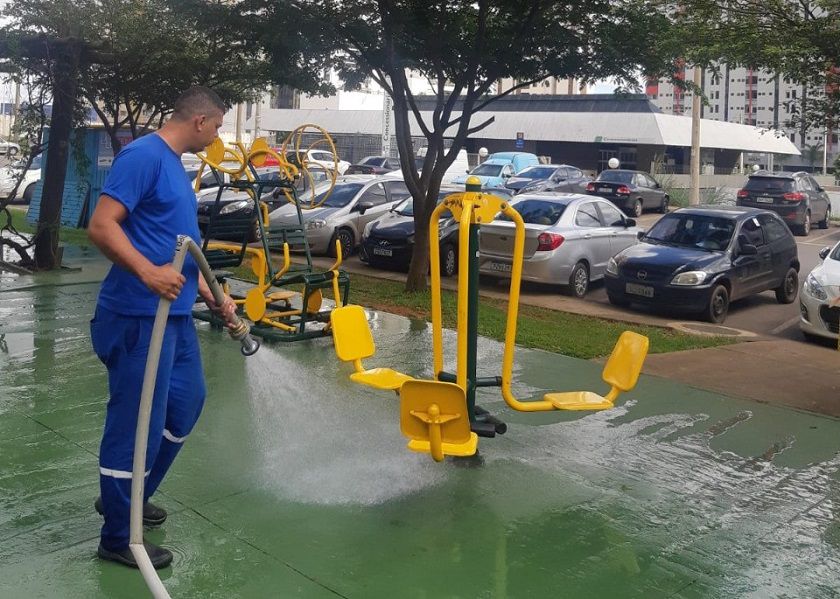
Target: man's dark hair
{"x": 197, "y": 100}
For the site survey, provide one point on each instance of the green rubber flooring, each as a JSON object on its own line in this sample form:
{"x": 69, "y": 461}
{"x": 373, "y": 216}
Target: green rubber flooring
{"x": 296, "y": 482}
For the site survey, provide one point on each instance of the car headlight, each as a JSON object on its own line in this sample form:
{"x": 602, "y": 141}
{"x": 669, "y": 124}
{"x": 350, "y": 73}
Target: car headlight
{"x": 612, "y": 267}
{"x": 368, "y": 228}
{"x": 692, "y": 277}
{"x": 814, "y": 289}
{"x": 234, "y": 206}
{"x": 410, "y": 239}
{"x": 316, "y": 224}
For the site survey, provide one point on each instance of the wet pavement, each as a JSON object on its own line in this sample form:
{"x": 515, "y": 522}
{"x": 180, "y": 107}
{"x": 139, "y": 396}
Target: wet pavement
{"x": 296, "y": 482}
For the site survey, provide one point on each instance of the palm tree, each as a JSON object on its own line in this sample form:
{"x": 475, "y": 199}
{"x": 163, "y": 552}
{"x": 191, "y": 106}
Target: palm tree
{"x": 812, "y": 153}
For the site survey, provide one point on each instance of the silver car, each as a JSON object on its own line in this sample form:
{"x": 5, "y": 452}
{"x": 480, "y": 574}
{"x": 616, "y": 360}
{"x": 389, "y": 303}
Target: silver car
{"x": 355, "y": 201}
{"x": 568, "y": 239}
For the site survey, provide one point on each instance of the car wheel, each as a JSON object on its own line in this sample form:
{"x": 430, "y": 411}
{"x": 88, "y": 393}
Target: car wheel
{"x": 786, "y": 292}
{"x": 28, "y": 193}
{"x": 579, "y": 280}
{"x": 12, "y": 151}
{"x": 256, "y": 233}
{"x": 345, "y": 238}
{"x": 618, "y": 301}
{"x": 805, "y": 227}
{"x": 448, "y": 260}
{"x": 824, "y": 222}
{"x": 663, "y": 209}
{"x": 718, "y": 306}
{"x": 637, "y": 208}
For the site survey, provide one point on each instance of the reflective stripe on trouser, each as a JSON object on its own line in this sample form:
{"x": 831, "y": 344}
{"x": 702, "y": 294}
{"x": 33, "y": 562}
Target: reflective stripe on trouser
{"x": 122, "y": 343}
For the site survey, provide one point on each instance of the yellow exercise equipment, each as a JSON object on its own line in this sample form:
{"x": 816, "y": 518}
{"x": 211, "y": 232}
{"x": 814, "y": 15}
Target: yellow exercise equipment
{"x": 433, "y": 416}
{"x": 354, "y": 342}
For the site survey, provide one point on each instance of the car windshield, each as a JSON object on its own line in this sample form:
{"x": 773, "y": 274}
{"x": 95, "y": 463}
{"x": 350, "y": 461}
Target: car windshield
{"x": 835, "y": 253}
{"x": 693, "y": 231}
{"x": 616, "y": 176}
{"x": 769, "y": 184}
{"x": 342, "y": 194}
{"x": 373, "y": 161}
{"x": 536, "y": 172}
{"x": 537, "y": 212}
{"x": 406, "y": 208}
{"x": 487, "y": 170}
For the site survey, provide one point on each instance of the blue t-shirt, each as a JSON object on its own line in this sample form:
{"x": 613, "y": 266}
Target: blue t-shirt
{"x": 148, "y": 179}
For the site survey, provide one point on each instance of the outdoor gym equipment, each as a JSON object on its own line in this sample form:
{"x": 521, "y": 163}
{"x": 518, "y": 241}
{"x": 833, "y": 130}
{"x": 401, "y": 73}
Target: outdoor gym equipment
{"x": 239, "y": 331}
{"x": 441, "y": 416}
{"x": 268, "y": 304}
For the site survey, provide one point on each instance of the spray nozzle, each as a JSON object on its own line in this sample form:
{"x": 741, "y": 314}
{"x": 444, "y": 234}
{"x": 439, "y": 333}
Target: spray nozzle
{"x": 242, "y": 333}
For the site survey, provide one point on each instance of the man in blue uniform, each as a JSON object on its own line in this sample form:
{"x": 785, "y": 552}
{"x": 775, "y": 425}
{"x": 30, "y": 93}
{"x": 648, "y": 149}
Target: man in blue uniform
{"x": 147, "y": 201}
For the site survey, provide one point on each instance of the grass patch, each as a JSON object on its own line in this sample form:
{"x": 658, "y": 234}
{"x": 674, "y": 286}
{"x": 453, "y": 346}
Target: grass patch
{"x": 540, "y": 328}
{"x": 66, "y": 234}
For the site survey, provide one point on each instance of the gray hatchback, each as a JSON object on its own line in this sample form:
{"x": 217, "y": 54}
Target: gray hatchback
{"x": 796, "y": 197}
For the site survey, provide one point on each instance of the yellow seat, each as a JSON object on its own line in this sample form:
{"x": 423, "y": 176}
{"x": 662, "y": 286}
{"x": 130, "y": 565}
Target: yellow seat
{"x": 433, "y": 415}
{"x": 621, "y": 372}
{"x": 354, "y": 341}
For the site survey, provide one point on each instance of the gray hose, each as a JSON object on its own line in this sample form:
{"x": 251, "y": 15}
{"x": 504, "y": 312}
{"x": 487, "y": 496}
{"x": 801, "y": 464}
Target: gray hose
{"x": 239, "y": 331}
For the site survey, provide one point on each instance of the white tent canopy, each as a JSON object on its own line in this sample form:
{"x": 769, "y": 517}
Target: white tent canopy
{"x": 643, "y": 128}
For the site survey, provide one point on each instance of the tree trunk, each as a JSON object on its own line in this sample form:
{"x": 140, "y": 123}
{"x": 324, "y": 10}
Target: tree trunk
{"x": 61, "y": 124}
{"x": 419, "y": 267}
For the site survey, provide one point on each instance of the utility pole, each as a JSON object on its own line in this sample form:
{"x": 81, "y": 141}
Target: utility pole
{"x": 238, "y": 125}
{"x": 387, "y": 108}
{"x": 257, "y": 119}
{"x": 694, "y": 195}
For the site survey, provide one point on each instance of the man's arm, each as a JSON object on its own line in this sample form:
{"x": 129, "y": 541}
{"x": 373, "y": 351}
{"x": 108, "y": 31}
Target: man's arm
{"x": 106, "y": 233}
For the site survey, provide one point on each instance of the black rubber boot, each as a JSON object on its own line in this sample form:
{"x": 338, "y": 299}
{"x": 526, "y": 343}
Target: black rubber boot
{"x": 159, "y": 556}
{"x": 152, "y": 514}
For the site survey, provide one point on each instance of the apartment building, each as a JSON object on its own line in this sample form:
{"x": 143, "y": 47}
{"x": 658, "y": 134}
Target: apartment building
{"x": 750, "y": 97}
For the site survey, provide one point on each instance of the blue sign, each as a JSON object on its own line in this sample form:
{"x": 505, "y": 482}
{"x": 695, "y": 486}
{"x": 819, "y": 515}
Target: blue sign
{"x": 520, "y": 140}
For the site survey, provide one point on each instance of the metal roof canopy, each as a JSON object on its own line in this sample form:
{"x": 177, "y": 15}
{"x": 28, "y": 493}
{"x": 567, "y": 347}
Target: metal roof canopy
{"x": 640, "y": 128}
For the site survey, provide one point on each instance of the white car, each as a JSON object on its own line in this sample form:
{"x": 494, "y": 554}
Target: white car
{"x": 819, "y": 302}
{"x": 9, "y": 148}
{"x": 325, "y": 159}
{"x": 10, "y": 174}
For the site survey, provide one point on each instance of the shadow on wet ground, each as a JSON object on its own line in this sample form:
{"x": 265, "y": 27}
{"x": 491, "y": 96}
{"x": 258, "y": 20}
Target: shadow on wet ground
{"x": 297, "y": 483}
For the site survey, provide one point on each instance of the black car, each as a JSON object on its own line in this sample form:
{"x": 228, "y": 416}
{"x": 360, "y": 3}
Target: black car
{"x": 700, "y": 259}
{"x": 796, "y": 197}
{"x": 549, "y": 177}
{"x": 374, "y": 165}
{"x": 631, "y": 191}
{"x": 388, "y": 242}
{"x": 235, "y": 205}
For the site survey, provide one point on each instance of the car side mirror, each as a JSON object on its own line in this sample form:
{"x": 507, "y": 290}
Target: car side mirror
{"x": 629, "y": 222}
{"x": 747, "y": 249}
{"x": 823, "y": 253}
{"x": 363, "y": 207}
{"x": 640, "y": 234}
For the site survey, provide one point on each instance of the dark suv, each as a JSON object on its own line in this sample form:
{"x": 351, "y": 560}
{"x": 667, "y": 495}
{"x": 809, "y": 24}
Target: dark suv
{"x": 796, "y": 197}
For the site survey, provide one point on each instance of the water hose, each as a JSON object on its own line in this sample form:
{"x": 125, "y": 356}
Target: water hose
{"x": 240, "y": 331}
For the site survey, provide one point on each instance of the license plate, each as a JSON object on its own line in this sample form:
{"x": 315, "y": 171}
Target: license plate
{"x": 605, "y": 189}
{"x": 636, "y": 289}
{"x": 764, "y": 199}
{"x": 499, "y": 266}
{"x": 383, "y": 252}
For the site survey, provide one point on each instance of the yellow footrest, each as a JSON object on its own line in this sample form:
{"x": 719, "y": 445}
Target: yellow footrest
{"x": 457, "y": 449}
{"x": 381, "y": 378}
{"x": 578, "y": 400}
{"x": 281, "y": 296}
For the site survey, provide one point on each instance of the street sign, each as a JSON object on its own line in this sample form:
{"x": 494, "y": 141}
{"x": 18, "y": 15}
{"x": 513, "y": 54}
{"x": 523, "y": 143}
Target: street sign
{"x": 520, "y": 140}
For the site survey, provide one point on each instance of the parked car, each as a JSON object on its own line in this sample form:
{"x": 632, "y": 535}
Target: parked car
{"x": 568, "y": 240}
{"x": 819, "y": 302}
{"x": 374, "y": 165}
{"x": 499, "y": 167}
{"x": 388, "y": 242}
{"x": 796, "y": 197}
{"x": 701, "y": 259}
{"x": 632, "y": 191}
{"x": 549, "y": 177}
{"x": 353, "y": 203}
{"x": 9, "y": 148}
{"x": 235, "y": 204}
{"x": 10, "y": 175}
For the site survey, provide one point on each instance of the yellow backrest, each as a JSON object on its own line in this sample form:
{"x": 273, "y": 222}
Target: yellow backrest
{"x": 351, "y": 334}
{"x": 625, "y": 364}
{"x": 418, "y": 395}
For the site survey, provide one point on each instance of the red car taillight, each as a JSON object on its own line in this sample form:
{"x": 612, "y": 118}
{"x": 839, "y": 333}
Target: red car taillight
{"x": 549, "y": 241}
{"x": 742, "y": 193}
{"x": 590, "y": 187}
{"x": 623, "y": 190}
{"x": 794, "y": 196}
